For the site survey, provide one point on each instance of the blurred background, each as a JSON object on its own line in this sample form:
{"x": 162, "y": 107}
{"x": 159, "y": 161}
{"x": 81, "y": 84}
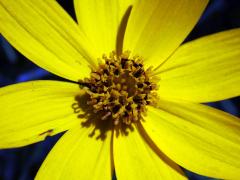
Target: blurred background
{"x": 23, "y": 163}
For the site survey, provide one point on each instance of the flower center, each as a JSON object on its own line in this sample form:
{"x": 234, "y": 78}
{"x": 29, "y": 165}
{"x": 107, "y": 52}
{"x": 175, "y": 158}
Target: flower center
{"x": 120, "y": 89}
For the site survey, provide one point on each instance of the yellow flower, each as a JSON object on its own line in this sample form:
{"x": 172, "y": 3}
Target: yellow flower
{"x": 136, "y": 142}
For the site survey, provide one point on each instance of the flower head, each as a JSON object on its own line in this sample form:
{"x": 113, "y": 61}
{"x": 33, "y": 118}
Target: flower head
{"x": 134, "y": 103}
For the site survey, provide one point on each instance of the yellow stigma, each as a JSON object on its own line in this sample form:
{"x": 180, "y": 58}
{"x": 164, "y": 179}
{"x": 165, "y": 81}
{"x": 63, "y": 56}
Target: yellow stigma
{"x": 120, "y": 88}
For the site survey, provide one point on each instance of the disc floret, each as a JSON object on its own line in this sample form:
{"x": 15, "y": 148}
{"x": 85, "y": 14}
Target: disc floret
{"x": 120, "y": 88}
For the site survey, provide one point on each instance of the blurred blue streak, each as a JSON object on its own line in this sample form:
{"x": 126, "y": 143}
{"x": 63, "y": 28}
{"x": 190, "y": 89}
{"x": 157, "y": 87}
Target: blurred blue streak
{"x": 9, "y": 51}
{"x": 33, "y": 74}
{"x": 212, "y": 8}
{"x": 230, "y": 107}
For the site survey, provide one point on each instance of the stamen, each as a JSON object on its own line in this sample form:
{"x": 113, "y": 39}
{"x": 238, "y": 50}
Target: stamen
{"x": 121, "y": 88}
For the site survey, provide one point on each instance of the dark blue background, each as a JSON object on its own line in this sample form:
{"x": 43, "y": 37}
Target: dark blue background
{"x": 23, "y": 163}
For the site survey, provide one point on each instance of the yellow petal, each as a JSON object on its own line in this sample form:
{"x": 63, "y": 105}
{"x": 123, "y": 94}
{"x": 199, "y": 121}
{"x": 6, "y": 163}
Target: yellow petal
{"x": 135, "y": 159}
{"x": 78, "y": 156}
{"x": 157, "y": 27}
{"x": 204, "y": 70}
{"x": 199, "y": 138}
{"x": 100, "y": 21}
{"x": 46, "y": 34}
{"x": 33, "y": 110}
